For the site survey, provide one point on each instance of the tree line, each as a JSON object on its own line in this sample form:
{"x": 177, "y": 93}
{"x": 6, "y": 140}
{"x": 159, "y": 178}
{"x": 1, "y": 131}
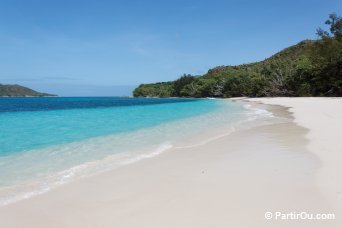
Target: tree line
{"x": 309, "y": 68}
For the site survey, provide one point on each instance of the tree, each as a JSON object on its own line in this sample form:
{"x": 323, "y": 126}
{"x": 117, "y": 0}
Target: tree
{"x": 335, "y": 23}
{"x": 180, "y": 83}
{"x": 326, "y": 56}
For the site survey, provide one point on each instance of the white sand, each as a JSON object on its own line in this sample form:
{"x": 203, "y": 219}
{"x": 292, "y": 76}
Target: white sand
{"x": 229, "y": 182}
{"x": 323, "y": 118}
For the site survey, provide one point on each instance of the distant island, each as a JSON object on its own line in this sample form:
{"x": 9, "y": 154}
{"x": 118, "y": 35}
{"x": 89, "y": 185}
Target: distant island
{"x": 309, "y": 68}
{"x": 20, "y": 91}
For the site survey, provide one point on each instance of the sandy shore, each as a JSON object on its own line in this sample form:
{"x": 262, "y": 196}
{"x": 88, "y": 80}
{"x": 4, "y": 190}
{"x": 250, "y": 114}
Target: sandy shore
{"x": 323, "y": 118}
{"x": 289, "y": 166}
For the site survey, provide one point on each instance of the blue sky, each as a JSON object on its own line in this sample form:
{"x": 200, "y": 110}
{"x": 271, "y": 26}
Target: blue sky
{"x": 103, "y": 48}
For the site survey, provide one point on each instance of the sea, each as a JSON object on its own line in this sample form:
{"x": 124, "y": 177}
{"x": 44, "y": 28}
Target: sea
{"x": 48, "y": 142}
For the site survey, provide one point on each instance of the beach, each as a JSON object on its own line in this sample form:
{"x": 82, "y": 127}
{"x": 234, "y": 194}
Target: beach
{"x": 288, "y": 166}
{"x": 323, "y": 118}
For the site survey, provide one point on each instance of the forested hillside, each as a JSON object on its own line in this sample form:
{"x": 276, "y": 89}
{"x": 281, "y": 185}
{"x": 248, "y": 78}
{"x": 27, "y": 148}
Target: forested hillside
{"x": 309, "y": 68}
{"x": 20, "y": 91}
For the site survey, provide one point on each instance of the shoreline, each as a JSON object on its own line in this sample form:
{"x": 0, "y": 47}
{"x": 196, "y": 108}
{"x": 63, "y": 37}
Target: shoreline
{"x": 324, "y": 127}
{"x": 232, "y": 180}
{"x": 182, "y": 137}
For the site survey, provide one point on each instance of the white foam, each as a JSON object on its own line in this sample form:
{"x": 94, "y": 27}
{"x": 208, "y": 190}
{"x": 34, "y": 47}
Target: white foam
{"x": 83, "y": 170}
{"x": 258, "y": 112}
{"x": 108, "y": 152}
{"x": 162, "y": 148}
{"x": 203, "y": 142}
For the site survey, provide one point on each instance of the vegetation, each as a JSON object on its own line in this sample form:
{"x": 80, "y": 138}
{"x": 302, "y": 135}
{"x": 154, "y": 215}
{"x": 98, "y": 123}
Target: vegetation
{"x": 309, "y": 68}
{"x": 19, "y": 91}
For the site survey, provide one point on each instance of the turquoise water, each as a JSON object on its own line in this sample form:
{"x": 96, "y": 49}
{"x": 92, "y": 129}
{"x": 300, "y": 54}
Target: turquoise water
{"x": 45, "y": 142}
{"x": 26, "y": 130}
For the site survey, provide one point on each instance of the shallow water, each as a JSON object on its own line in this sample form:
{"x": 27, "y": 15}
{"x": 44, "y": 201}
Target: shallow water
{"x": 45, "y": 142}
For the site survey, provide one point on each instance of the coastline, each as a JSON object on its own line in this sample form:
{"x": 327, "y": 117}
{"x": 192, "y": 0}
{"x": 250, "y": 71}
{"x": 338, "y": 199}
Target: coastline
{"x": 323, "y": 118}
{"x": 230, "y": 181}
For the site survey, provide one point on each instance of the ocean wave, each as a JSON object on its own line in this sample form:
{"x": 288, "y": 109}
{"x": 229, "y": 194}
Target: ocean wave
{"x": 101, "y": 154}
{"x": 21, "y": 192}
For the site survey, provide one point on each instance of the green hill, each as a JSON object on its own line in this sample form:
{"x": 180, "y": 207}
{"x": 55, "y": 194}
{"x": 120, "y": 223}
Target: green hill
{"x": 309, "y": 68}
{"x": 20, "y": 91}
